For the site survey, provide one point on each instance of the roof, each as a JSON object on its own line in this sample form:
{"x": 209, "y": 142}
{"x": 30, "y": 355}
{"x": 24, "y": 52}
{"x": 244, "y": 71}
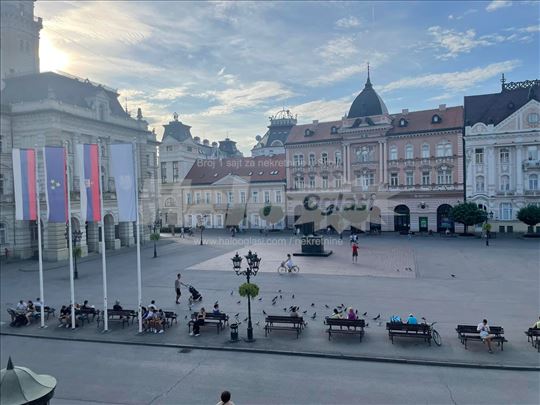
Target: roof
{"x": 422, "y": 121}
{"x": 252, "y": 169}
{"x": 496, "y": 107}
{"x": 177, "y": 130}
{"x": 319, "y": 131}
{"x": 367, "y": 103}
{"x": 228, "y": 147}
{"x": 68, "y": 90}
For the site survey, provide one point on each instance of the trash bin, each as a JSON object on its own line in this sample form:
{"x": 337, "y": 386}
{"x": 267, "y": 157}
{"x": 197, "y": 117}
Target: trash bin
{"x": 234, "y": 332}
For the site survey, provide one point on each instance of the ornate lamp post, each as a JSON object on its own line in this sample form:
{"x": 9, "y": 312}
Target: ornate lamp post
{"x": 155, "y": 233}
{"x": 252, "y": 268}
{"x": 200, "y": 225}
{"x": 76, "y": 236}
{"x": 488, "y": 226}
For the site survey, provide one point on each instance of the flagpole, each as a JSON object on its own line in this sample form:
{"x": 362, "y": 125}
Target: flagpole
{"x": 70, "y": 238}
{"x": 40, "y": 251}
{"x": 139, "y": 278}
{"x": 103, "y": 260}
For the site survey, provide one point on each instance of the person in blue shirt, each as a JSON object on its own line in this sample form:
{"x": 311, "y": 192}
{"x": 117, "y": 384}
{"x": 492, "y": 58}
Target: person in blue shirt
{"x": 411, "y": 320}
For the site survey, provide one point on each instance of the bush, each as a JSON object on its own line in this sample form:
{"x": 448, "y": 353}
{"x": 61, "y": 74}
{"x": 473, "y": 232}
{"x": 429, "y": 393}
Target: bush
{"x": 248, "y": 289}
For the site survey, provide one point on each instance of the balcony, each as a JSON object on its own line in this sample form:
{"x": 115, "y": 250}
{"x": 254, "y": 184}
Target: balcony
{"x": 531, "y": 164}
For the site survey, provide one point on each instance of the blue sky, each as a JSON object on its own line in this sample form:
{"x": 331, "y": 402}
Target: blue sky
{"x": 226, "y": 66}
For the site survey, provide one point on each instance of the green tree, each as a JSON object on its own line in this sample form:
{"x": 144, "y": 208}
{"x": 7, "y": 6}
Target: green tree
{"x": 248, "y": 289}
{"x": 529, "y": 215}
{"x": 468, "y": 214}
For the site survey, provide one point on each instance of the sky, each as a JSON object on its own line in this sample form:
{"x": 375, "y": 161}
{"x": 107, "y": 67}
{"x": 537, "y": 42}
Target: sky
{"x": 225, "y": 67}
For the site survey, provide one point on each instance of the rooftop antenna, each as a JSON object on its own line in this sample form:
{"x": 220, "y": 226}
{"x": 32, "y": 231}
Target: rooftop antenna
{"x": 126, "y": 105}
{"x": 503, "y": 81}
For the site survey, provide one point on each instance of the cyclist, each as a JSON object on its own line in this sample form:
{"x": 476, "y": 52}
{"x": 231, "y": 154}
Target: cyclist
{"x": 289, "y": 263}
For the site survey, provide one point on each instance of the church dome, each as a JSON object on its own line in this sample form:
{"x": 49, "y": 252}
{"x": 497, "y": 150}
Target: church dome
{"x": 367, "y": 103}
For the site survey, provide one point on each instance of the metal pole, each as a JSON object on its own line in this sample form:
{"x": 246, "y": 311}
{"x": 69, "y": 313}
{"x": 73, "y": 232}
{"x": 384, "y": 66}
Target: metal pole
{"x": 70, "y": 239}
{"x": 75, "y": 240}
{"x": 250, "y": 326}
{"x": 139, "y": 278}
{"x": 40, "y": 250}
{"x": 103, "y": 260}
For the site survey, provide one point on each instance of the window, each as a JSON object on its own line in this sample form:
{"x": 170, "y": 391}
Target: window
{"x": 409, "y": 178}
{"x": 426, "y": 178}
{"x": 175, "y": 171}
{"x": 393, "y": 153}
{"x": 230, "y": 197}
{"x": 312, "y": 159}
{"x": 504, "y": 155}
{"x": 324, "y": 182}
{"x": 164, "y": 172}
{"x": 243, "y": 197}
{"x": 311, "y": 183}
{"x": 479, "y": 156}
{"x": 189, "y": 149}
{"x": 255, "y": 196}
{"x": 402, "y": 122}
{"x": 409, "y": 152}
{"x": 219, "y": 221}
{"x": 296, "y": 160}
{"x": 333, "y": 130}
{"x": 337, "y": 181}
{"x": 505, "y": 211}
{"x": 444, "y": 149}
{"x": 218, "y": 198}
{"x": 533, "y": 182}
{"x": 301, "y": 160}
{"x": 299, "y": 182}
{"x": 480, "y": 184}
{"x": 188, "y": 199}
{"x": 425, "y": 151}
{"x": 394, "y": 179}
{"x": 169, "y": 148}
{"x": 207, "y": 198}
{"x": 324, "y": 158}
{"x": 366, "y": 179}
{"x": 267, "y": 197}
{"x": 278, "y": 196}
{"x": 197, "y": 198}
{"x": 532, "y": 118}
{"x": 505, "y": 183}
{"x": 2, "y": 233}
{"x": 532, "y": 152}
{"x": 444, "y": 176}
{"x": 338, "y": 158}
{"x": 435, "y": 119}
{"x": 364, "y": 154}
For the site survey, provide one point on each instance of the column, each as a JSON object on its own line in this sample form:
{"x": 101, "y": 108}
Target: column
{"x": 381, "y": 174}
{"x": 126, "y": 234}
{"x": 491, "y": 169}
{"x": 56, "y": 247}
{"x": 22, "y": 245}
{"x": 519, "y": 169}
{"x": 92, "y": 237}
{"x": 385, "y": 162}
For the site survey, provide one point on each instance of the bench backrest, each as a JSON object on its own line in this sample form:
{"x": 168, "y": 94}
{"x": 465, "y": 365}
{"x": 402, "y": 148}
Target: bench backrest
{"x": 87, "y": 311}
{"x": 472, "y": 329}
{"x": 121, "y": 312}
{"x": 533, "y": 332}
{"x": 419, "y": 327}
{"x": 211, "y": 315}
{"x": 284, "y": 319}
{"x": 345, "y": 322}
{"x": 170, "y": 314}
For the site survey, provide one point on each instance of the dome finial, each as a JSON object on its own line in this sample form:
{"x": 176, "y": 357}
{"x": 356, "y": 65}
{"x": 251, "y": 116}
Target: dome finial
{"x": 368, "y": 79}
{"x": 9, "y": 364}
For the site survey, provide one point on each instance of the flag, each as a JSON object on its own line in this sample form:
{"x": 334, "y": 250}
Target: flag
{"x": 88, "y": 157}
{"x": 56, "y": 187}
{"x": 123, "y": 171}
{"x": 24, "y": 179}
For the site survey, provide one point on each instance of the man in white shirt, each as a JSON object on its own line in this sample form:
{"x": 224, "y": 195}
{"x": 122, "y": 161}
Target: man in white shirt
{"x": 21, "y": 306}
{"x": 483, "y": 328}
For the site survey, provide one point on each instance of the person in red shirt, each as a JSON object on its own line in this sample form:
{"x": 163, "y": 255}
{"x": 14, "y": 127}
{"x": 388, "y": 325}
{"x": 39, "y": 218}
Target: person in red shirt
{"x": 355, "y": 252}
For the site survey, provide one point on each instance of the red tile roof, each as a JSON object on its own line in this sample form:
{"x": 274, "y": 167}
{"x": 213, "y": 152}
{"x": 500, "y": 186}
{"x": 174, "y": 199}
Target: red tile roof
{"x": 420, "y": 121}
{"x": 320, "y": 132}
{"x": 252, "y": 169}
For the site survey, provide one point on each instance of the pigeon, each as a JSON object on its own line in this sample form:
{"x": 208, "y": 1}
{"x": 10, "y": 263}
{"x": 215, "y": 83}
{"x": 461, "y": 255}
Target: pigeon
{"x": 304, "y": 311}
{"x": 264, "y": 312}
{"x": 326, "y": 306}
{"x": 245, "y": 320}
{"x": 236, "y": 315}
{"x": 273, "y": 302}
{"x": 293, "y": 296}
{"x": 377, "y": 317}
{"x": 260, "y": 299}
{"x": 312, "y": 304}
{"x": 185, "y": 317}
{"x": 365, "y": 313}
{"x": 280, "y": 297}
{"x": 367, "y": 325}
{"x": 285, "y": 309}
{"x": 238, "y": 302}
{"x": 397, "y": 269}
{"x": 453, "y": 275}
{"x": 232, "y": 292}
{"x": 278, "y": 291}
{"x": 314, "y": 315}
{"x": 257, "y": 323}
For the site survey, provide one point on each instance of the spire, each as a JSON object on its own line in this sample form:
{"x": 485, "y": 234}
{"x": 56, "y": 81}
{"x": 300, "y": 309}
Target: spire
{"x": 9, "y": 364}
{"x": 503, "y": 81}
{"x": 368, "y": 81}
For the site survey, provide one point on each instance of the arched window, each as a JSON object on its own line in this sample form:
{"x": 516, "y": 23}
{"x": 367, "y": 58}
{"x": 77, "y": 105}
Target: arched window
{"x": 533, "y": 182}
{"x": 393, "y": 153}
{"x": 324, "y": 158}
{"x": 425, "y": 151}
{"x": 276, "y": 143}
{"x": 435, "y": 119}
{"x": 311, "y": 159}
{"x": 337, "y": 156}
{"x": 409, "y": 152}
{"x": 505, "y": 211}
{"x": 479, "y": 184}
{"x": 505, "y": 183}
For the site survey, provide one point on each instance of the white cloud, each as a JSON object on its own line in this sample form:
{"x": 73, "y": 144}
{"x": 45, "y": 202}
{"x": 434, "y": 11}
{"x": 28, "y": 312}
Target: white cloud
{"x": 452, "y": 43}
{"x": 452, "y": 81}
{"x": 339, "y": 48}
{"x": 347, "y": 22}
{"x": 498, "y": 4}
{"x": 171, "y": 93}
{"x": 322, "y": 110}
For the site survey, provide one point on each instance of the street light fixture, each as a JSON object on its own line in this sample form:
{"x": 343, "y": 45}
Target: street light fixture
{"x": 252, "y": 269}
{"x": 201, "y": 225}
{"x": 76, "y": 236}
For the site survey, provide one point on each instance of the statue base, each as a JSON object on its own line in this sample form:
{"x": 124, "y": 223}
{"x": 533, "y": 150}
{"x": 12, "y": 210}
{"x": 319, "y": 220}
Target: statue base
{"x": 313, "y": 246}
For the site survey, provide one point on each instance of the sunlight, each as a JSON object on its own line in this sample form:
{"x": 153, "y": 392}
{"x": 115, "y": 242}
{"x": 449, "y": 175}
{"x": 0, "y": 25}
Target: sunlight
{"x": 50, "y": 57}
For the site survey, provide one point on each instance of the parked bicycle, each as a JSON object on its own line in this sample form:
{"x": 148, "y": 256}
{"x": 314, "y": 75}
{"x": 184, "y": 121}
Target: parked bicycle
{"x": 434, "y": 334}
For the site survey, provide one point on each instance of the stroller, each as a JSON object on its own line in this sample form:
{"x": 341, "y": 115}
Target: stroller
{"x": 195, "y": 295}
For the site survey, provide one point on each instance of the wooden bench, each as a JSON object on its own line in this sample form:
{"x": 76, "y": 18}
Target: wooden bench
{"x": 345, "y": 326}
{"x": 83, "y": 314}
{"x": 398, "y": 329}
{"x": 123, "y": 316}
{"x": 220, "y": 320}
{"x": 170, "y": 317}
{"x": 470, "y": 332}
{"x": 533, "y": 336}
{"x": 289, "y": 323}
{"x": 46, "y": 310}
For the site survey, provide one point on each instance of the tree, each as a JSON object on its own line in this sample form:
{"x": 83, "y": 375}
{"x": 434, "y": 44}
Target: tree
{"x": 248, "y": 289}
{"x": 468, "y": 214}
{"x": 529, "y": 215}
{"x": 155, "y": 237}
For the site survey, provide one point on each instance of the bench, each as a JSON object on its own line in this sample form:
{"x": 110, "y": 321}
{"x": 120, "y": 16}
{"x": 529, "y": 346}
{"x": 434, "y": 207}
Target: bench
{"x": 533, "y": 336}
{"x": 220, "y": 320}
{"x": 123, "y": 316}
{"x": 398, "y": 329}
{"x": 46, "y": 310}
{"x": 470, "y": 332}
{"x": 345, "y": 326}
{"x": 289, "y": 323}
{"x": 170, "y": 317}
{"x": 83, "y": 314}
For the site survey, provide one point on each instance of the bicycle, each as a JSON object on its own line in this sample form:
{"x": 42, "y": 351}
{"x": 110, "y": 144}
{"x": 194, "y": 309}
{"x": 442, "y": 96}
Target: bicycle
{"x": 283, "y": 268}
{"x": 434, "y": 334}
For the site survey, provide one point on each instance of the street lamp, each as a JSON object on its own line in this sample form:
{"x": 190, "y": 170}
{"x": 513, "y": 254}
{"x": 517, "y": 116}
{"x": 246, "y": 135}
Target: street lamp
{"x": 201, "y": 225}
{"x": 252, "y": 268}
{"x": 76, "y": 236}
{"x": 488, "y": 217}
{"x": 156, "y": 231}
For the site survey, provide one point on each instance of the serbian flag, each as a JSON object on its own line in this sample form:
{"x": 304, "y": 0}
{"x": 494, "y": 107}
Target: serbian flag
{"x": 24, "y": 179}
{"x": 88, "y": 156}
{"x": 56, "y": 186}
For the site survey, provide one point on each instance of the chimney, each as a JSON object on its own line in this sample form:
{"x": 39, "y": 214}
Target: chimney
{"x": 442, "y": 107}
{"x": 315, "y": 122}
{"x": 405, "y": 111}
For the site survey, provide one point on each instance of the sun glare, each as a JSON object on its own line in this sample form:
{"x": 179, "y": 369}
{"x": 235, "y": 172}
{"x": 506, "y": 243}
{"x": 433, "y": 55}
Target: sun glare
{"x": 50, "y": 57}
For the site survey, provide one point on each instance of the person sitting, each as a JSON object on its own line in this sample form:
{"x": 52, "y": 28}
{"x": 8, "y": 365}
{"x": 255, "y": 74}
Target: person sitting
{"x": 201, "y": 315}
{"x": 351, "y": 316}
{"x": 65, "y": 317}
{"x": 294, "y": 312}
{"x": 86, "y": 306}
{"x": 30, "y": 312}
{"x": 411, "y": 320}
{"x": 148, "y": 319}
{"x": 21, "y": 306}
{"x": 485, "y": 335}
{"x": 39, "y": 303}
{"x": 152, "y": 305}
{"x": 117, "y": 306}
{"x": 395, "y": 319}
{"x": 225, "y": 399}
{"x": 536, "y": 325}
{"x": 336, "y": 314}
{"x": 216, "y": 310}
{"x": 158, "y": 321}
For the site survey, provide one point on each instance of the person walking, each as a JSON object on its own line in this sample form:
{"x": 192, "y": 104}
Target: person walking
{"x": 177, "y": 284}
{"x": 355, "y": 252}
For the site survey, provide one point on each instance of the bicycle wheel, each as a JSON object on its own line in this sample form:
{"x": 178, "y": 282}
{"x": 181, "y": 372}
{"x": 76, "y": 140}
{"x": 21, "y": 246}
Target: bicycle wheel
{"x": 436, "y": 337}
{"x": 282, "y": 270}
{"x": 295, "y": 269}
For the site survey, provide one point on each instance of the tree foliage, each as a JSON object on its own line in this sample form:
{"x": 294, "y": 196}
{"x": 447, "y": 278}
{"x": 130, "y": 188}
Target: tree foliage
{"x": 529, "y": 215}
{"x": 248, "y": 289}
{"x": 154, "y": 236}
{"x": 468, "y": 214}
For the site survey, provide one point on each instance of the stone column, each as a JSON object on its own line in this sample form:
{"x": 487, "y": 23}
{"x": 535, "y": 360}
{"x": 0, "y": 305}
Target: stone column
{"x": 126, "y": 234}
{"x": 491, "y": 169}
{"x": 22, "y": 246}
{"x": 56, "y": 247}
{"x": 519, "y": 169}
{"x": 385, "y": 163}
{"x": 381, "y": 157}
{"x": 92, "y": 238}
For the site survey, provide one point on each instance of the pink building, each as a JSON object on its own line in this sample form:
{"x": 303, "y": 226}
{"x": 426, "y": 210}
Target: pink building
{"x": 405, "y": 171}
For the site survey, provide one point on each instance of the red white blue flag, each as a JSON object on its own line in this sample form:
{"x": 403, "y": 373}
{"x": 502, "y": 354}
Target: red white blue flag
{"x": 56, "y": 186}
{"x": 88, "y": 156}
{"x": 24, "y": 178}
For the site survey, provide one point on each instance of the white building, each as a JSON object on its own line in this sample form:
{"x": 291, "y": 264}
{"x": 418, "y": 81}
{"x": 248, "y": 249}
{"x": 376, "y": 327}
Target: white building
{"x": 502, "y": 141}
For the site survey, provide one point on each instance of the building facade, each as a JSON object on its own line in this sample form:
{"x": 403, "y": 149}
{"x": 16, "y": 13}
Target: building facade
{"x": 502, "y": 144}
{"x": 405, "y": 169}
{"x": 273, "y": 141}
{"x": 248, "y": 193}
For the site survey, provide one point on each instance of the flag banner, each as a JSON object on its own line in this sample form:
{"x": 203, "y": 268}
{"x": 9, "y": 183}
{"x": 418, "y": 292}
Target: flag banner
{"x": 24, "y": 179}
{"x": 123, "y": 171}
{"x": 88, "y": 159}
{"x": 56, "y": 186}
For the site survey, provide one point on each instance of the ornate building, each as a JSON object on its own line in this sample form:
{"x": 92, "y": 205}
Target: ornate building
{"x": 41, "y": 109}
{"x": 273, "y": 141}
{"x": 502, "y": 141}
{"x": 406, "y": 168}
